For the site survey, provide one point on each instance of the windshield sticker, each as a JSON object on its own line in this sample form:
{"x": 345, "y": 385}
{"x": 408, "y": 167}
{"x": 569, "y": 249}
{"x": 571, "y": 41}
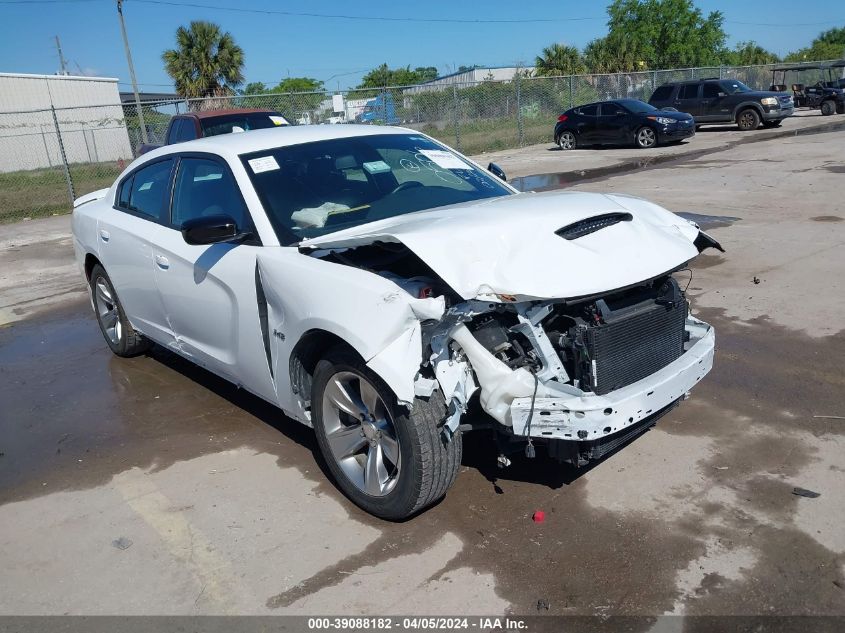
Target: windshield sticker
{"x": 277, "y": 120}
{"x": 444, "y": 159}
{"x": 377, "y": 167}
{"x": 265, "y": 163}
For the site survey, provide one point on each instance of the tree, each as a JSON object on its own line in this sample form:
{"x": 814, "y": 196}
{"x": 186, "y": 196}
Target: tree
{"x": 299, "y": 84}
{"x": 206, "y": 61}
{"x": 666, "y": 33}
{"x": 254, "y": 88}
{"x": 603, "y": 56}
{"x": 828, "y": 45}
{"x": 559, "y": 59}
{"x": 384, "y": 76}
{"x": 749, "y": 54}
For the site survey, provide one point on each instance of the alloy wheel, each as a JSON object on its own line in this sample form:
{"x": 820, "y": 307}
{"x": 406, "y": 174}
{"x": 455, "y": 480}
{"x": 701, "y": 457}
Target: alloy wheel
{"x": 361, "y": 434}
{"x": 107, "y": 312}
{"x": 566, "y": 141}
{"x": 646, "y": 137}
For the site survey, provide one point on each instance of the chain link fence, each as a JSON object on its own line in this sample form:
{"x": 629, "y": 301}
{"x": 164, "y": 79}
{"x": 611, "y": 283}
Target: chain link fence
{"x": 50, "y": 156}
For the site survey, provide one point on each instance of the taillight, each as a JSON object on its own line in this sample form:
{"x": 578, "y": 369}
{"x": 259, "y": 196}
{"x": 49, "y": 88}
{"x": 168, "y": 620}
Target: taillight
{"x": 561, "y": 118}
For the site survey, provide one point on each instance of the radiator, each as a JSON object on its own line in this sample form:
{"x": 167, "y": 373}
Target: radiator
{"x": 633, "y": 346}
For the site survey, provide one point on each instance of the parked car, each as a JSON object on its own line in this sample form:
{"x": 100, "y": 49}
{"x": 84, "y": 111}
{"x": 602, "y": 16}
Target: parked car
{"x": 194, "y": 125}
{"x": 826, "y": 95}
{"x": 376, "y": 285}
{"x": 621, "y": 122}
{"x": 724, "y": 101}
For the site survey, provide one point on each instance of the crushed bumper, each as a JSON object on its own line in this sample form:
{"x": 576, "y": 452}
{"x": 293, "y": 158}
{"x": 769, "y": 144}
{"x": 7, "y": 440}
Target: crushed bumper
{"x": 590, "y": 417}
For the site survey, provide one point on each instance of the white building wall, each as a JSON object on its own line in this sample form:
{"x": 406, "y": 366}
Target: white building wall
{"x": 469, "y": 78}
{"x": 88, "y": 111}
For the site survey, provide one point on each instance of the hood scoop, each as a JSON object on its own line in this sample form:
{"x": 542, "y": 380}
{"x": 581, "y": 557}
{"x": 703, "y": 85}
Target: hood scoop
{"x": 591, "y": 225}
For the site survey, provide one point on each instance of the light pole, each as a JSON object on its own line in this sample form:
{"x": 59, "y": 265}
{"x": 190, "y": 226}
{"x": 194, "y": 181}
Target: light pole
{"x": 132, "y": 73}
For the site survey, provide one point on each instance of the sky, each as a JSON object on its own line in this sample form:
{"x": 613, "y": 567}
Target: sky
{"x": 339, "y": 51}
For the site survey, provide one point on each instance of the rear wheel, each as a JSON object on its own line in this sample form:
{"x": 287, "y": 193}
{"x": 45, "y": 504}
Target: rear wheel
{"x": 567, "y": 140}
{"x": 388, "y": 461}
{"x": 748, "y": 119}
{"x": 119, "y": 334}
{"x": 645, "y": 137}
{"x": 828, "y": 107}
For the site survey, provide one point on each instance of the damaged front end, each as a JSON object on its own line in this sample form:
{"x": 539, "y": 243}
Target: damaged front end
{"x": 580, "y": 376}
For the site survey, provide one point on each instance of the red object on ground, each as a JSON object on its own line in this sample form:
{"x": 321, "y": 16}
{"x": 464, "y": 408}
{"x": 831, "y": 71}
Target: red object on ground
{"x": 539, "y": 516}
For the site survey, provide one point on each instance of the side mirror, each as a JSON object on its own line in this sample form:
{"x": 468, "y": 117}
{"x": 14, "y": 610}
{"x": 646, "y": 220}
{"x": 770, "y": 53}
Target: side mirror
{"x": 212, "y": 229}
{"x": 497, "y": 171}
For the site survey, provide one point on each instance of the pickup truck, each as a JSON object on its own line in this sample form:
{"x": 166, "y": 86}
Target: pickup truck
{"x": 193, "y": 125}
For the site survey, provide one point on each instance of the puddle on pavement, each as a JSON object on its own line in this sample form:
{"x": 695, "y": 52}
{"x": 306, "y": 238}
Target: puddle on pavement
{"x": 73, "y": 416}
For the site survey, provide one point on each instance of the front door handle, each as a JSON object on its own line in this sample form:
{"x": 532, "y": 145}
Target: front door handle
{"x": 104, "y": 235}
{"x": 162, "y": 262}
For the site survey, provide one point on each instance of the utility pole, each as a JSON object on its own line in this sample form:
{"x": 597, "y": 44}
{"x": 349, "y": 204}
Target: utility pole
{"x": 62, "y": 62}
{"x": 132, "y": 73}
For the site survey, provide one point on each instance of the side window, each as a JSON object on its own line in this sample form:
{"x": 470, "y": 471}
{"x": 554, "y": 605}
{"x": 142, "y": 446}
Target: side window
{"x": 183, "y": 130}
{"x": 589, "y": 110}
{"x": 611, "y": 109}
{"x": 711, "y": 91}
{"x": 663, "y": 93}
{"x": 688, "y": 91}
{"x": 125, "y": 191}
{"x": 144, "y": 192}
{"x": 203, "y": 188}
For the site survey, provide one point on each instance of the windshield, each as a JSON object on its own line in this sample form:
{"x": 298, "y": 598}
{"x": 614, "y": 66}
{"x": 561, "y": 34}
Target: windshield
{"x": 733, "y": 87}
{"x": 633, "y": 105}
{"x": 317, "y": 188}
{"x": 241, "y": 123}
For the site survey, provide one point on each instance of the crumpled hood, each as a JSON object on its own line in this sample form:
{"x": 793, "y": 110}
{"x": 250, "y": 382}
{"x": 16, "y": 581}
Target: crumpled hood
{"x": 509, "y": 245}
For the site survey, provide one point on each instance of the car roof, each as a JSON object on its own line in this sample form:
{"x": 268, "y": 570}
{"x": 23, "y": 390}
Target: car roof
{"x": 233, "y": 145}
{"x": 210, "y": 114}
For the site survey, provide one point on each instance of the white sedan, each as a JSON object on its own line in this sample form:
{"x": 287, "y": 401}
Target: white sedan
{"x": 382, "y": 288}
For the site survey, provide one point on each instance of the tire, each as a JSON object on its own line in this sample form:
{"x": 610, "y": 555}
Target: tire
{"x": 828, "y": 107}
{"x": 748, "y": 119}
{"x": 840, "y": 108}
{"x": 697, "y": 128}
{"x": 645, "y": 137}
{"x": 567, "y": 141}
{"x": 771, "y": 124}
{"x": 358, "y": 421}
{"x": 121, "y": 337}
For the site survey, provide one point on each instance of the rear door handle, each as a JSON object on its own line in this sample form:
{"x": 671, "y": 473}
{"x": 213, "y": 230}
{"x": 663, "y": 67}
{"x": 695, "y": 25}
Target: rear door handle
{"x": 162, "y": 262}
{"x": 104, "y": 235}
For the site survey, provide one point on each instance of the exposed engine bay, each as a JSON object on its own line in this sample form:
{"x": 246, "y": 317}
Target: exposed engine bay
{"x": 557, "y": 372}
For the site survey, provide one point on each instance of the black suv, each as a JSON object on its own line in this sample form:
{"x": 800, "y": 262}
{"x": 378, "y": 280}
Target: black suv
{"x": 723, "y": 101}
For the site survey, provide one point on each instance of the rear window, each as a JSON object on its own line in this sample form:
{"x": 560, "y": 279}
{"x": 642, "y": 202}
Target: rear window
{"x": 241, "y": 123}
{"x": 662, "y": 93}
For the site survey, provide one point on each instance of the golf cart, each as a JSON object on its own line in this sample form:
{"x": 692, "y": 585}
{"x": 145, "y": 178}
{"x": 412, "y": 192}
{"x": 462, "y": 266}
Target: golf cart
{"x": 826, "y": 94}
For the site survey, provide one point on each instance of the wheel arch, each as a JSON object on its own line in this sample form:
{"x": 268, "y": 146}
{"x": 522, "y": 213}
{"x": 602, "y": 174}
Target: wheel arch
{"x": 308, "y": 351}
{"x": 748, "y": 104}
{"x": 88, "y": 264}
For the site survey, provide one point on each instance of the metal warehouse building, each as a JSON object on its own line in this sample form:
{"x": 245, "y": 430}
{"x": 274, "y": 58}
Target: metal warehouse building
{"x": 88, "y": 116}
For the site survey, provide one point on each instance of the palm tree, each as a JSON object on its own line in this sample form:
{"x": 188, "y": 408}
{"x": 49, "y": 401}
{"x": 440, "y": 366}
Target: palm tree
{"x": 206, "y": 61}
{"x": 559, "y": 59}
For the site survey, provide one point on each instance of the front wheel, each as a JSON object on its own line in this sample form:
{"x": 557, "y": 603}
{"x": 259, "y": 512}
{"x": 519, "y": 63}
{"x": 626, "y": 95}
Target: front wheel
{"x": 748, "y": 120}
{"x": 645, "y": 137}
{"x": 118, "y": 332}
{"x": 567, "y": 140}
{"x": 388, "y": 461}
{"x": 828, "y": 107}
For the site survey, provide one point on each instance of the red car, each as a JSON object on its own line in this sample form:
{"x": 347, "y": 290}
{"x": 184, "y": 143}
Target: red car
{"x": 187, "y": 127}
